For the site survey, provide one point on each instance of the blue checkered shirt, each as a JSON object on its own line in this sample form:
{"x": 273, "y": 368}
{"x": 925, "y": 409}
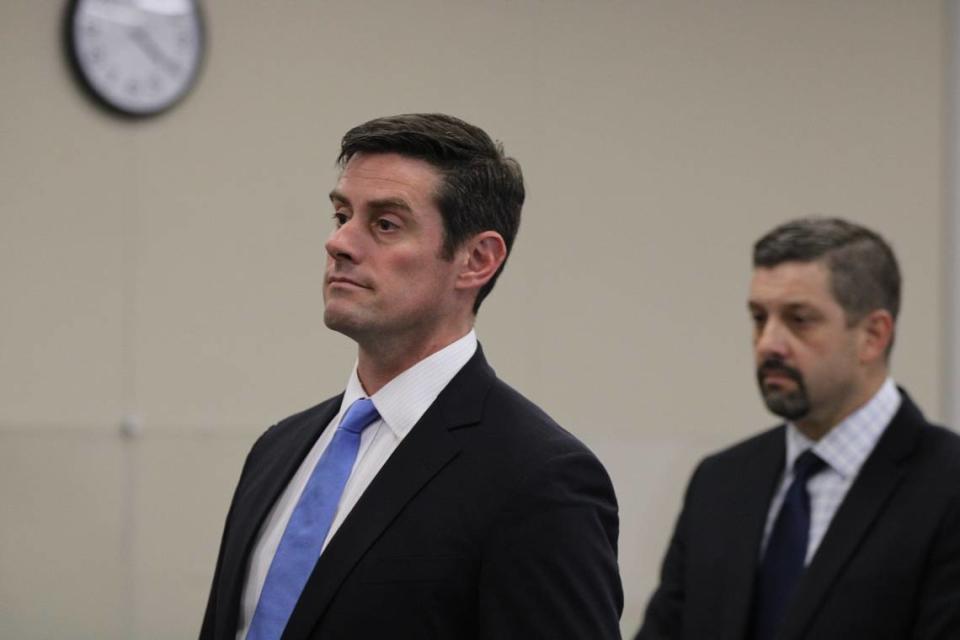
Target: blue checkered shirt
{"x": 845, "y": 448}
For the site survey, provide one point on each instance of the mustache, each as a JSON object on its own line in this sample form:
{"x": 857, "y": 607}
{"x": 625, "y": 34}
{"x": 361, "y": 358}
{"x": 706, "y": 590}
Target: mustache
{"x": 774, "y": 365}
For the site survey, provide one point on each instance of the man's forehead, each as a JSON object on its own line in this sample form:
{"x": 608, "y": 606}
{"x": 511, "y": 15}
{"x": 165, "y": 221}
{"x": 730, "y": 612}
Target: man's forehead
{"x": 791, "y": 283}
{"x": 385, "y": 175}
{"x": 388, "y": 166}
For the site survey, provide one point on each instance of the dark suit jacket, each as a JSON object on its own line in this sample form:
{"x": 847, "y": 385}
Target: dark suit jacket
{"x": 888, "y": 566}
{"x": 488, "y": 521}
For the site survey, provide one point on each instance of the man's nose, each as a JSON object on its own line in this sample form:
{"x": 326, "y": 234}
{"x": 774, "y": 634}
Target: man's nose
{"x": 342, "y": 244}
{"x": 772, "y": 339}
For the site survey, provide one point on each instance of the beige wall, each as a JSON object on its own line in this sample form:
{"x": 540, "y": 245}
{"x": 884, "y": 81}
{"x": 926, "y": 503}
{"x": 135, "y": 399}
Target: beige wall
{"x": 168, "y": 271}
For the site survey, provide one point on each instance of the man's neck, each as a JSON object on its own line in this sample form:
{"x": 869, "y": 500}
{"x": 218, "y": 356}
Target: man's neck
{"x": 816, "y": 427}
{"x": 382, "y": 361}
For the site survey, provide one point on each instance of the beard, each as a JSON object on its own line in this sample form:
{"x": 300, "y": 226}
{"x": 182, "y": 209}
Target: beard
{"x": 789, "y": 404}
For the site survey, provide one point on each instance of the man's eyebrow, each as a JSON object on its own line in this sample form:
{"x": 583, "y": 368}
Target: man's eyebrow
{"x": 397, "y": 204}
{"x": 375, "y": 205}
{"x": 790, "y": 306}
{"x": 801, "y": 306}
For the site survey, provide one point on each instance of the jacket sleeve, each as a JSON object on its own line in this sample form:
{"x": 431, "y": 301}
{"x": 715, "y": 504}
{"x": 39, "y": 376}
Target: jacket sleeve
{"x": 938, "y": 617}
{"x": 664, "y": 616}
{"x": 209, "y": 629}
{"x": 549, "y": 569}
{"x": 209, "y": 616}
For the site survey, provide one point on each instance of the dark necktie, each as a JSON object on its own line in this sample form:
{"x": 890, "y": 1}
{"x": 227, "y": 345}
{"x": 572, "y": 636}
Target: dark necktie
{"x": 309, "y": 524}
{"x": 784, "y": 560}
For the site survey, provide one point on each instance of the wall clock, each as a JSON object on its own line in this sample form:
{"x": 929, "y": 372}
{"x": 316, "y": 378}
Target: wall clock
{"x": 137, "y": 57}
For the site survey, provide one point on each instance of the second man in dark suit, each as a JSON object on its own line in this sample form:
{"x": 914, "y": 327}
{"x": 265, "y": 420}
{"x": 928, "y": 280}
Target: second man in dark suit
{"x": 429, "y": 499}
{"x": 844, "y": 523}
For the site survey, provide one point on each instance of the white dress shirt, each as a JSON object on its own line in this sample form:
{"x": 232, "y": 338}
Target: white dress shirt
{"x": 845, "y": 448}
{"x": 401, "y": 403}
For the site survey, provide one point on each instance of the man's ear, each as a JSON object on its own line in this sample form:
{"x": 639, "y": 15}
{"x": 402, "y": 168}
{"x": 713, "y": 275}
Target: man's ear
{"x": 876, "y": 335}
{"x": 480, "y": 257}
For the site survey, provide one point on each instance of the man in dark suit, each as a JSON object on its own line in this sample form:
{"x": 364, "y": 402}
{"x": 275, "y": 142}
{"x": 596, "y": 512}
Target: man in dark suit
{"x": 429, "y": 499}
{"x": 844, "y": 523}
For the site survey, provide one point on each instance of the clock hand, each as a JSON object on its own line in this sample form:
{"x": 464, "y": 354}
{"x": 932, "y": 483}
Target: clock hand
{"x": 141, "y": 37}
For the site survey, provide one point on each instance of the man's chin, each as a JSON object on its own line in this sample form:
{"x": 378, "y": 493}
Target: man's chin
{"x": 336, "y": 320}
{"x": 347, "y": 322}
{"x": 789, "y": 406}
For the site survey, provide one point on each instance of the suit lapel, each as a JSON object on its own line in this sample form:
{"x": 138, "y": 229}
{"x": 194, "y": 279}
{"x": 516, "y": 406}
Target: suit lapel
{"x": 422, "y": 455}
{"x": 880, "y": 475}
{"x": 260, "y": 491}
{"x": 751, "y": 499}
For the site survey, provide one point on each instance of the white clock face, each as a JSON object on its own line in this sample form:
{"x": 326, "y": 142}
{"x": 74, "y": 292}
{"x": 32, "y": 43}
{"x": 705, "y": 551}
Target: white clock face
{"x": 140, "y": 56}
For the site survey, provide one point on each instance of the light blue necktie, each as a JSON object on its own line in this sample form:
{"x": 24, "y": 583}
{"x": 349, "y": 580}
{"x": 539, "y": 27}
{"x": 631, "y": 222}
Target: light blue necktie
{"x": 309, "y": 524}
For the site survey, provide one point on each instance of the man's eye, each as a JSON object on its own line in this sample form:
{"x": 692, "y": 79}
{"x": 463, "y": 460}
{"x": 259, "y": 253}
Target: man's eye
{"x": 385, "y": 225}
{"x": 339, "y": 218}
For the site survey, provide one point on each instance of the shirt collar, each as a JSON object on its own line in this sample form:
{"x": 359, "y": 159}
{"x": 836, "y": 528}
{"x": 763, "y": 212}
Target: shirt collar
{"x": 846, "y": 447}
{"x": 403, "y": 401}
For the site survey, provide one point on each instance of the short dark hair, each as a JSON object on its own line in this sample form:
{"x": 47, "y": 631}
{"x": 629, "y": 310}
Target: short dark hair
{"x": 481, "y": 189}
{"x": 864, "y": 275}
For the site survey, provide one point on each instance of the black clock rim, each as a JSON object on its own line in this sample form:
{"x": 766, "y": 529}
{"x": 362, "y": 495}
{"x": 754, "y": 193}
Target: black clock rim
{"x": 91, "y": 92}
